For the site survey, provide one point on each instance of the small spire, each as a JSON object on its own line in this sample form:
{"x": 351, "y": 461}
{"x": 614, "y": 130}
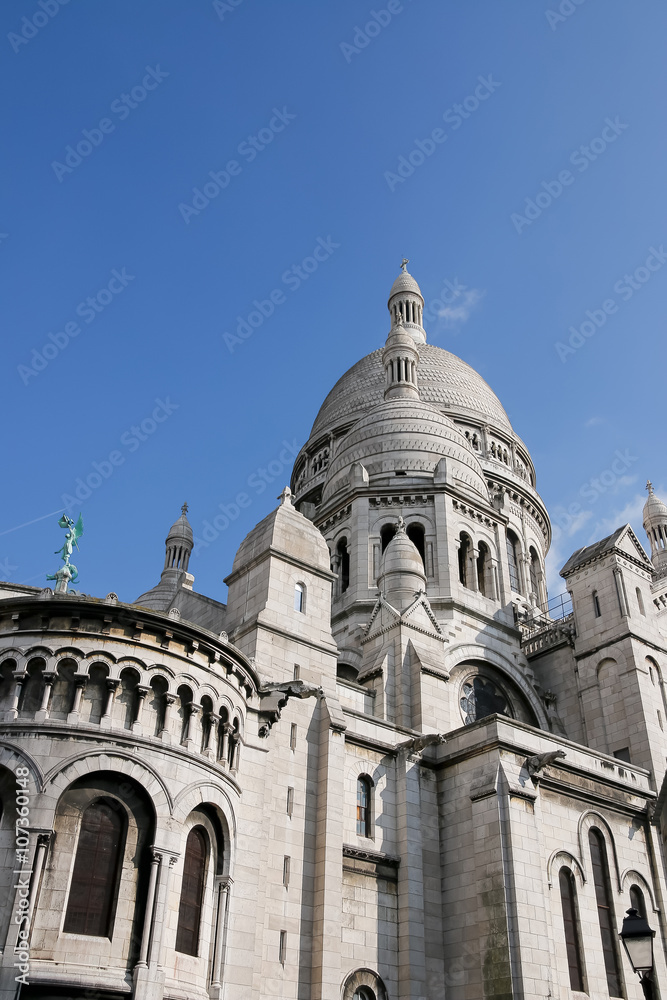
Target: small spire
{"x": 184, "y": 509}
{"x": 649, "y": 487}
{"x": 285, "y": 496}
{"x": 401, "y": 525}
{"x": 404, "y": 264}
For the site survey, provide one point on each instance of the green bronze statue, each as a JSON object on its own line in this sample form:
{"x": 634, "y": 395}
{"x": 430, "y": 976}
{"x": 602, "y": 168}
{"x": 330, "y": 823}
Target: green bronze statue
{"x": 68, "y": 572}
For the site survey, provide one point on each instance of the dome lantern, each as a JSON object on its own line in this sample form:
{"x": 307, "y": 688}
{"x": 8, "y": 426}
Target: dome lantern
{"x": 406, "y": 304}
{"x": 179, "y": 543}
{"x": 655, "y": 526}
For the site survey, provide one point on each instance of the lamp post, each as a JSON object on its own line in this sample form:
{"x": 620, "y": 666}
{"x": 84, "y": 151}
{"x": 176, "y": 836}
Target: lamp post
{"x": 637, "y": 938}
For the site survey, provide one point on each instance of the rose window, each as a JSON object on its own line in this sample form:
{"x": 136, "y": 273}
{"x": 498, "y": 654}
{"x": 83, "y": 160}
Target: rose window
{"x": 480, "y": 698}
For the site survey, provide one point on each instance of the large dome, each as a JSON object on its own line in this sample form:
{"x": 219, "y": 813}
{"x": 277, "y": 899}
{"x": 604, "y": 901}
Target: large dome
{"x": 445, "y": 381}
{"x": 410, "y": 436}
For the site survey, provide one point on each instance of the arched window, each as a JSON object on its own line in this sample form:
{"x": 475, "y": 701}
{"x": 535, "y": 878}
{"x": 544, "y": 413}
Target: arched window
{"x": 415, "y": 533}
{"x": 640, "y": 602}
{"x": 605, "y": 912}
{"x": 568, "y": 899}
{"x": 513, "y": 560}
{"x": 299, "y": 597}
{"x": 464, "y": 553}
{"x": 192, "y": 892}
{"x": 343, "y": 565}
{"x": 637, "y": 900}
{"x": 364, "y": 819}
{"x": 97, "y": 865}
{"x": 596, "y": 605}
{"x": 534, "y": 568}
{"x": 483, "y": 570}
{"x": 363, "y": 993}
{"x": 387, "y": 532}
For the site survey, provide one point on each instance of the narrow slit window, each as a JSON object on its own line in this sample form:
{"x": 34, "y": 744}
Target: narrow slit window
{"x": 568, "y": 898}
{"x": 364, "y": 820}
{"x": 299, "y": 597}
{"x": 605, "y": 912}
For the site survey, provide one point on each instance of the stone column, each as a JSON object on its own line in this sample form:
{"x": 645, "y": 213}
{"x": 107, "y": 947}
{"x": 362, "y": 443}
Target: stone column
{"x": 226, "y": 730}
{"x": 43, "y": 841}
{"x": 112, "y": 687}
{"x": 192, "y": 737}
{"x": 142, "y": 691}
{"x": 20, "y": 677}
{"x": 150, "y": 906}
{"x": 149, "y": 973}
{"x": 223, "y": 887}
{"x": 211, "y": 736}
{"x": 80, "y": 681}
{"x": 27, "y": 878}
{"x": 473, "y": 582}
{"x": 43, "y": 710}
{"x": 165, "y": 733}
{"x": 155, "y": 948}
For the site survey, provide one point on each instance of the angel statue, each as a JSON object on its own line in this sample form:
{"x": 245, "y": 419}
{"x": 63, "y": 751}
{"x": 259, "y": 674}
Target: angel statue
{"x": 67, "y": 572}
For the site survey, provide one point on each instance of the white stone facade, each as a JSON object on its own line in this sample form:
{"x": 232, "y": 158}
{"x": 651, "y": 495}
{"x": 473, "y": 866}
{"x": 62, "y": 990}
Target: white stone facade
{"x": 379, "y": 770}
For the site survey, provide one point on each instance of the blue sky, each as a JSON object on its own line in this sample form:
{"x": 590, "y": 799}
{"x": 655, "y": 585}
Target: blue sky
{"x": 533, "y": 200}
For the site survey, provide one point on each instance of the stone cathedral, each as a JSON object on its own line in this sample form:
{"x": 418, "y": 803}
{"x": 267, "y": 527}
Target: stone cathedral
{"x": 387, "y": 769}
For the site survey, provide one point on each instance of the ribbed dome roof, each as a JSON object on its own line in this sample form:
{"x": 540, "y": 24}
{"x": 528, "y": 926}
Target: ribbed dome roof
{"x": 180, "y": 529}
{"x": 407, "y": 435}
{"x": 405, "y": 283}
{"x": 655, "y": 511}
{"x": 445, "y": 381}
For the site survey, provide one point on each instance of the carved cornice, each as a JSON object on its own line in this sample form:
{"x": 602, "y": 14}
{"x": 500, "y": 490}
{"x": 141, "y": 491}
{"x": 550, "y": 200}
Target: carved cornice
{"x": 375, "y": 857}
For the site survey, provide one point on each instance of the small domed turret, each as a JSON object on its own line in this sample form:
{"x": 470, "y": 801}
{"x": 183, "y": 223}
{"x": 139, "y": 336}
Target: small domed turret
{"x": 655, "y": 526}
{"x": 402, "y": 574}
{"x": 406, "y": 304}
{"x": 179, "y": 543}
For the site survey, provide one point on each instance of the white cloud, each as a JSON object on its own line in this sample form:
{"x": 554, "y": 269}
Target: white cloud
{"x": 455, "y": 314}
{"x": 594, "y": 422}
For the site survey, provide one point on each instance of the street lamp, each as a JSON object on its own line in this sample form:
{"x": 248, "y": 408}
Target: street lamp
{"x": 637, "y": 938}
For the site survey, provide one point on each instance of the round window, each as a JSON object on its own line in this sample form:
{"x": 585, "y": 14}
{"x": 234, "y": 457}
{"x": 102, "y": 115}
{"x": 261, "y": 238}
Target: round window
{"x": 481, "y": 697}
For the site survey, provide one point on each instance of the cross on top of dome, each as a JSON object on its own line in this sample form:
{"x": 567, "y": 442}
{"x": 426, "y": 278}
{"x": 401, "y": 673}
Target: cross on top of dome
{"x": 404, "y": 264}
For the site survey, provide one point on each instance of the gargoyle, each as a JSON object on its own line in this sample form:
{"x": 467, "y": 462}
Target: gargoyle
{"x": 274, "y": 697}
{"x": 540, "y": 760}
{"x": 419, "y": 743}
